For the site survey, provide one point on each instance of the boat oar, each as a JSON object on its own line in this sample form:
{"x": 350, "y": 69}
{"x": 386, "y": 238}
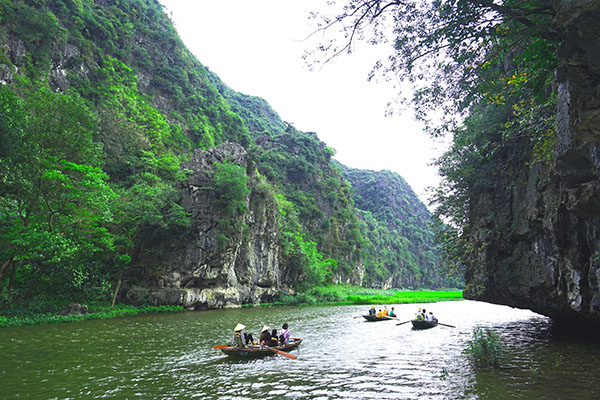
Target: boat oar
{"x": 283, "y": 353}
{"x": 220, "y": 346}
{"x": 405, "y": 322}
{"x": 449, "y": 326}
{"x": 387, "y": 316}
{"x": 358, "y": 316}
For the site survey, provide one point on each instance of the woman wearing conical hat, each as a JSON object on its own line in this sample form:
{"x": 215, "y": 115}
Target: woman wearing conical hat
{"x": 239, "y": 338}
{"x": 265, "y": 336}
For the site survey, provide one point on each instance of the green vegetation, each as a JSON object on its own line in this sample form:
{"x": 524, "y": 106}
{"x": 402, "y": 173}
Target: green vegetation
{"x": 482, "y": 71}
{"x": 96, "y": 311}
{"x": 485, "y": 349}
{"x": 399, "y": 231}
{"x": 102, "y": 105}
{"x": 344, "y": 294}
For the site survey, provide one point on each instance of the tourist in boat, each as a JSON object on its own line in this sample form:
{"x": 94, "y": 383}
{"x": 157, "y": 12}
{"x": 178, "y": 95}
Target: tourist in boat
{"x": 372, "y": 310}
{"x": 392, "y": 313}
{"x": 241, "y": 339}
{"x": 379, "y": 313}
{"x": 419, "y": 315}
{"x": 430, "y": 317}
{"x": 265, "y": 336}
{"x": 385, "y": 311}
{"x": 284, "y": 334}
{"x": 273, "y": 341}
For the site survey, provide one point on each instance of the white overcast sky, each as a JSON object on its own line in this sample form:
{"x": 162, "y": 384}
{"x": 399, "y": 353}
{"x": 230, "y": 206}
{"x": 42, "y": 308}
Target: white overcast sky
{"x": 256, "y": 48}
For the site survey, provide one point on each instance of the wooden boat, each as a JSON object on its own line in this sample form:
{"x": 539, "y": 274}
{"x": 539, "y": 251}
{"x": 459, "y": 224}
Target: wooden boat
{"x": 374, "y": 318}
{"x": 256, "y": 351}
{"x": 423, "y": 324}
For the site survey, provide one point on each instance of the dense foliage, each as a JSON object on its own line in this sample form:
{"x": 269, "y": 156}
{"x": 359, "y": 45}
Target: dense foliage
{"x": 101, "y": 104}
{"x": 391, "y": 235}
{"x": 488, "y": 66}
{"x": 399, "y": 229}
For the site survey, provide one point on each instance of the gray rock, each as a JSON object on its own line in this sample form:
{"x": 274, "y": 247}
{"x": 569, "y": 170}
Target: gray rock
{"x": 204, "y": 274}
{"x": 74, "y": 309}
{"x": 546, "y": 255}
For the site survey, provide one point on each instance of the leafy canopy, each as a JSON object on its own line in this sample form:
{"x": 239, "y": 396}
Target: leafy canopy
{"x": 442, "y": 46}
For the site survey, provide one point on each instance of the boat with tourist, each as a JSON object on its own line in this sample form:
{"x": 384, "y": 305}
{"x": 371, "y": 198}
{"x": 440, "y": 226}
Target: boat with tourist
{"x": 423, "y": 324}
{"x": 257, "y": 351}
{"x": 374, "y": 318}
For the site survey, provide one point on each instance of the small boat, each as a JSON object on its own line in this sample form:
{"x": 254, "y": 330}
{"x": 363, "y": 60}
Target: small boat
{"x": 374, "y": 318}
{"x": 257, "y": 351}
{"x": 423, "y": 324}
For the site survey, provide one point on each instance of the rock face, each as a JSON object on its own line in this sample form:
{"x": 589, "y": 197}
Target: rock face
{"x": 207, "y": 273}
{"x": 548, "y": 258}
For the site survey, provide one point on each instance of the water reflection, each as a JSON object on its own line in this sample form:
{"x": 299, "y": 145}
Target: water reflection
{"x": 172, "y": 356}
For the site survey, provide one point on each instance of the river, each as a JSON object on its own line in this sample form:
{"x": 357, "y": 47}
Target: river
{"x": 171, "y": 356}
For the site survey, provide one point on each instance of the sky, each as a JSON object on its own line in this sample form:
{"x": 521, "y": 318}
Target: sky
{"x": 256, "y": 48}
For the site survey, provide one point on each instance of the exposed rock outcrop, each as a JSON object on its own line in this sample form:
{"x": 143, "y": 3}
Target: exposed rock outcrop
{"x": 548, "y": 257}
{"x": 207, "y": 273}
{"x": 74, "y": 309}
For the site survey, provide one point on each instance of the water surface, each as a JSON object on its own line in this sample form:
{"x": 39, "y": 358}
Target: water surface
{"x": 172, "y": 357}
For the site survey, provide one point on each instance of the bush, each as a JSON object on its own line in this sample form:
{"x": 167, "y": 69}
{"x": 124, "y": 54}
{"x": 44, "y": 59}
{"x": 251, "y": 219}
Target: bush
{"x": 485, "y": 349}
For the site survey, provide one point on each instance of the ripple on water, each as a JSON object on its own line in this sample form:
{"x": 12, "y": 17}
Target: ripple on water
{"x": 172, "y": 357}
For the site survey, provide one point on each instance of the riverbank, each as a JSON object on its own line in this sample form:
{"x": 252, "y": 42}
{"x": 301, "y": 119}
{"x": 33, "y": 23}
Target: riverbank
{"x": 352, "y": 295}
{"x": 328, "y": 295}
{"x": 16, "y": 318}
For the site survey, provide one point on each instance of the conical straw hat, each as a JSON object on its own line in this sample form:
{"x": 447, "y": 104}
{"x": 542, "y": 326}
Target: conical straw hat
{"x": 265, "y": 328}
{"x": 239, "y": 327}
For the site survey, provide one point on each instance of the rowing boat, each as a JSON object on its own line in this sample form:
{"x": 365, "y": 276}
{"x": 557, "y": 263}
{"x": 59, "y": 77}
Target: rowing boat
{"x": 374, "y": 318}
{"x": 423, "y": 324}
{"x": 256, "y": 351}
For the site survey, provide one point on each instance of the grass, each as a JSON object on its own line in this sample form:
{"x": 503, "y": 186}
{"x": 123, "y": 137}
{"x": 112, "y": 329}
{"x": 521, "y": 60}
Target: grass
{"x": 347, "y": 295}
{"x": 97, "y": 311}
{"x": 333, "y": 294}
{"x": 485, "y": 349}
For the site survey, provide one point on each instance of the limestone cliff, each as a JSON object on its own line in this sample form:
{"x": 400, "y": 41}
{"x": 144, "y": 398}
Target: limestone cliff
{"x": 206, "y": 273}
{"x": 546, "y": 257}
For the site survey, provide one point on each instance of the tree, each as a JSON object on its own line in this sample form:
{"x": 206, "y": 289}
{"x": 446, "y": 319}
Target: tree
{"x": 54, "y": 198}
{"x": 443, "y": 47}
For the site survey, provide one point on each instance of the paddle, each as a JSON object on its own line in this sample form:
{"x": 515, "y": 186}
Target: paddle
{"x": 449, "y": 326}
{"x": 405, "y": 322}
{"x": 283, "y": 353}
{"x": 358, "y": 316}
{"x": 387, "y": 316}
{"x": 221, "y": 346}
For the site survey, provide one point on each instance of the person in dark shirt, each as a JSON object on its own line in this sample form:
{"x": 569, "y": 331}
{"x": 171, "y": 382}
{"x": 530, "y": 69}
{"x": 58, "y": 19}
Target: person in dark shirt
{"x": 265, "y": 336}
{"x": 274, "y": 340}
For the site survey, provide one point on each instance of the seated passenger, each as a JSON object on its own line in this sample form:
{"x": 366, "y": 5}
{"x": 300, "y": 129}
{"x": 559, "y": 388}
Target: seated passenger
{"x": 392, "y": 313}
{"x": 419, "y": 314}
{"x": 239, "y": 337}
{"x": 265, "y": 336}
{"x": 284, "y": 334}
{"x": 274, "y": 341}
{"x": 372, "y": 310}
